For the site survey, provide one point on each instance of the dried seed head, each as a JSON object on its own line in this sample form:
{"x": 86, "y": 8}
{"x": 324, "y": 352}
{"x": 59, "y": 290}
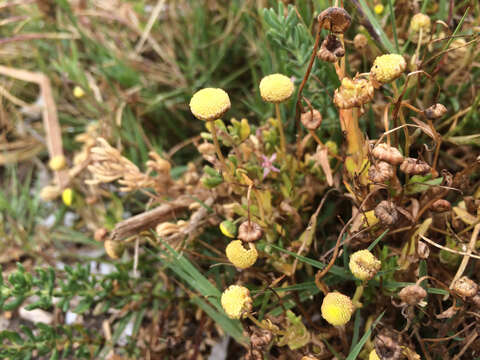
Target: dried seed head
{"x": 236, "y": 301}
{"x": 57, "y": 163}
{"x": 457, "y": 54}
{"x": 423, "y": 251}
{"x": 276, "y": 88}
{"x": 353, "y": 93}
{"x": 380, "y": 172}
{"x": 436, "y": 111}
{"x": 419, "y": 22}
{"x": 387, "y": 153}
{"x": 441, "y": 205}
{"x": 331, "y": 49}
{"x": 387, "y": 346}
{"x": 413, "y": 166}
{"x": 386, "y": 212}
{"x": 387, "y": 68}
{"x": 100, "y": 234}
{"x": 360, "y": 42}
{"x": 49, "y": 192}
{"x": 260, "y": 337}
{"x": 228, "y": 228}
{"x": 412, "y": 294}
{"x": 337, "y": 308}
{"x": 476, "y": 300}
{"x": 364, "y": 265}
{"x": 114, "y": 249}
{"x": 309, "y": 357}
{"x": 311, "y": 119}
{"x": 206, "y": 148}
{"x": 166, "y": 229}
{"x": 209, "y": 104}
{"x": 373, "y": 355}
{"x": 465, "y": 287}
{"x": 239, "y": 256}
{"x": 249, "y": 231}
{"x": 335, "y": 19}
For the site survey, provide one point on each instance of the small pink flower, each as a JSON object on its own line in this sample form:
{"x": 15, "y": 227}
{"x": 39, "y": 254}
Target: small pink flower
{"x": 268, "y": 166}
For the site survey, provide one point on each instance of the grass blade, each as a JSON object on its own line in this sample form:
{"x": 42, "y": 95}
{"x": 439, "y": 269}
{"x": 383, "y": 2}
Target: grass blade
{"x": 377, "y": 27}
{"x": 358, "y": 347}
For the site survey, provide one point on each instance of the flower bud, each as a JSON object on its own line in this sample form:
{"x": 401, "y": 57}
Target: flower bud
{"x": 67, "y": 196}
{"x": 239, "y": 256}
{"x": 228, "y": 228}
{"x": 337, "y": 308}
{"x": 412, "y": 166}
{"x": 236, "y": 301}
{"x": 465, "y": 287}
{"x": 206, "y": 148}
{"x": 387, "y": 68}
{"x": 249, "y": 231}
{"x": 387, "y": 153}
{"x": 360, "y": 41}
{"x": 78, "y": 92}
{"x": 412, "y": 294}
{"x": 57, "y": 163}
{"x": 49, "y": 192}
{"x": 311, "y": 119}
{"x": 386, "y": 212}
{"x": 436, "y": 111}
{"x": 364, "y": 265}
{"x": 419, "y": 22}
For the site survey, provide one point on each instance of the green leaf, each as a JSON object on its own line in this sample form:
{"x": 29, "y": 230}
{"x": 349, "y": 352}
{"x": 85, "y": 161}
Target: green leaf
{"x": 358, "y": 347}
{"x": 377, "y": 27}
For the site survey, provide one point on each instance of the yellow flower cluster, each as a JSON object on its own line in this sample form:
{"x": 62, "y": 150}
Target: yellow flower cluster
{"x": 239, "y": 256}
{"x": 387, "y": 68}
{"x": 364, "y": 265}
{"x": 276, "y": 88}
{"x": 337, "y": 308}
{"x": 209, "y": 104}
{"x": 236, "y": 301}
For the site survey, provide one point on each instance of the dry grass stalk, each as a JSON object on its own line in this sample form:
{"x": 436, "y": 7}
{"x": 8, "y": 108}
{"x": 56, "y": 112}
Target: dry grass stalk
{"x": 53, "y": 132}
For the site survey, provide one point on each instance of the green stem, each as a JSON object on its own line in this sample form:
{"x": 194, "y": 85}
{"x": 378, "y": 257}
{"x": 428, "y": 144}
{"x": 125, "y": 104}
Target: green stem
{"x": 217, "y": 145}
{"x": 283, "y": 145}
{"x": 358, "y": 295}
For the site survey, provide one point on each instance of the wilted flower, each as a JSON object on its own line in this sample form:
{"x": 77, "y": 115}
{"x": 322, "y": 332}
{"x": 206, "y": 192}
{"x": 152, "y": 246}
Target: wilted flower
{"x": 239, "y": 256}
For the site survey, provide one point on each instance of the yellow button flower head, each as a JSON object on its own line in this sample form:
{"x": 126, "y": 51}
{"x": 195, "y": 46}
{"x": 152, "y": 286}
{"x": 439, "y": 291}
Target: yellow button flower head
{"x": 337, "y": 308}
{"x": 209, "y": 104}
{"x": 373, "y": 355}
{"x": 239, "y": 256}
{"x": 378, "y": 9}
{"x": 67, "y": 196}
{"x": 236, "y": 301}
{"x": 419, "y": 22}
{"x": 57, "y": 162}
{"x": 364, "y": 265}
{"x": 276, "y": 88}
{"x": 387, "y": 68}
{"x": 78, "y": 92}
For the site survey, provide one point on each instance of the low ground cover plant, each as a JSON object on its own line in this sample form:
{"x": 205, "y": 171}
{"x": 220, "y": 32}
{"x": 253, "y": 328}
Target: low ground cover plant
{"x": 326, "y": 208}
